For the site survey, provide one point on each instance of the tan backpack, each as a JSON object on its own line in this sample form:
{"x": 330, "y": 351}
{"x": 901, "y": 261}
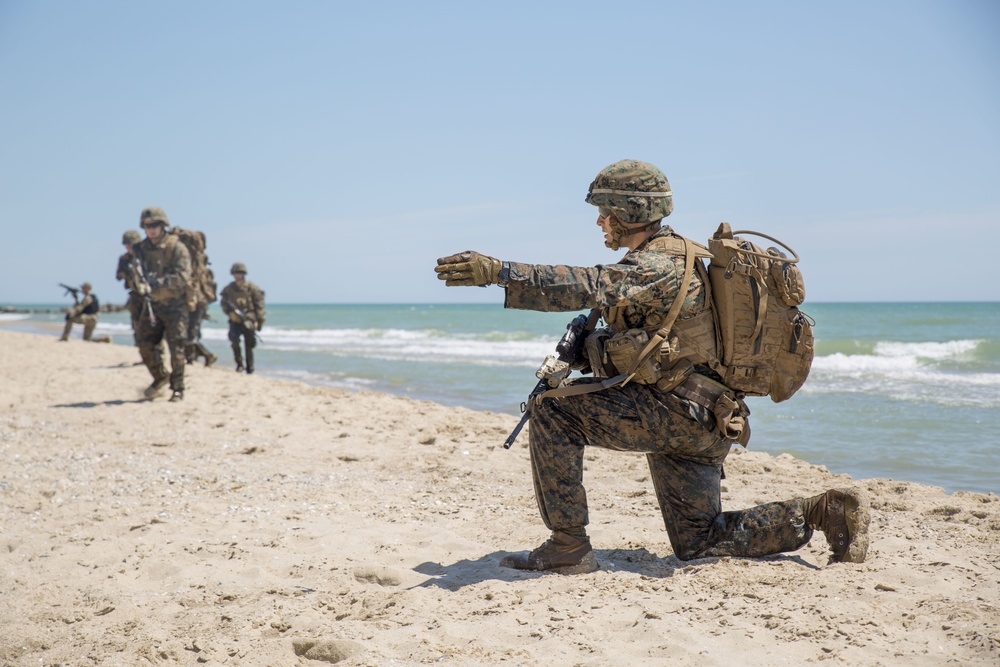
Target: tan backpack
{"x": 203, "y": 286}
{"x": 766, "y": 341}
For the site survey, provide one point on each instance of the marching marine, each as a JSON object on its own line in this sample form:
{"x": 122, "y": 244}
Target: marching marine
{"x": 163, "y": 271}
{"x": 243, "y": 302}
{"x": 126, "y": 273}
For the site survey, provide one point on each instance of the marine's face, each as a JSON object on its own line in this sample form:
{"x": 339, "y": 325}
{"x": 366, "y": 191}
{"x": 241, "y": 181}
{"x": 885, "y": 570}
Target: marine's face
{"x": 154, "y": 230}
{"x": 239, "y": 277}
{"x": 605, "y": 224}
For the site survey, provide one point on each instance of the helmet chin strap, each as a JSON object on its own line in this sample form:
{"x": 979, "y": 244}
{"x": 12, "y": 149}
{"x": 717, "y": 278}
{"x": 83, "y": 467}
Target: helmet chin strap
{"x": 620, "y": 231}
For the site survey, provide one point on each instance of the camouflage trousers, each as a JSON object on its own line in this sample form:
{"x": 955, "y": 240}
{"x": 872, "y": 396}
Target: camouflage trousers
{"x": 89, "y": 322}
{"x": 685, "y": 462}
{"x": 194, "y": 323}
{"x": 171, "y": 324}
{"x": 238, "y": 330}
{"x": 135, "y": 307}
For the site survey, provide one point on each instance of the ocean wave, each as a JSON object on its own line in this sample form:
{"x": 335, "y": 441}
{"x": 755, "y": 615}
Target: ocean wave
{"x": 429, "y": 345}
{"x": 13, "y": 317}
{"x": 947, "y": 373}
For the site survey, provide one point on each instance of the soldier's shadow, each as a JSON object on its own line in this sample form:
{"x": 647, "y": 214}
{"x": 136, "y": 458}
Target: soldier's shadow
{"x": 637, "y": 561}
{"x": 88, "y": 404}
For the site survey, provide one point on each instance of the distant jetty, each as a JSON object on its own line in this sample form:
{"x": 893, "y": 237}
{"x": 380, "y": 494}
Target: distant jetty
{"x": 105, "y": 308}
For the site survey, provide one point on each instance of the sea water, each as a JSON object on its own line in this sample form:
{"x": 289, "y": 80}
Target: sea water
{"x": 908, "y": 391}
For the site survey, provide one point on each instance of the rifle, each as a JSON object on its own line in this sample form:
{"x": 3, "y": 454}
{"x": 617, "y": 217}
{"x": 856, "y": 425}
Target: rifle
{"x": 555, "y": 369}
{"x": 243, "y": 318}
{"x": 71, "y": 290}
{"x": 140, "y": 275}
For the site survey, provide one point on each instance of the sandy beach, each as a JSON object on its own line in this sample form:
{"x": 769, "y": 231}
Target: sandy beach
{"x": 265, "y": 522}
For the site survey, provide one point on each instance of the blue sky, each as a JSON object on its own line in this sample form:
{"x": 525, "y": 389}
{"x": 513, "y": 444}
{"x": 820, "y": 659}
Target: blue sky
{"x": 339, "y": 148}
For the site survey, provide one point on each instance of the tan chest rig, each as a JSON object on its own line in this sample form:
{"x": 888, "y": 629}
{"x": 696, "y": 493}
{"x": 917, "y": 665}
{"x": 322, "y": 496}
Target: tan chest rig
{"x": 664, "y": 348}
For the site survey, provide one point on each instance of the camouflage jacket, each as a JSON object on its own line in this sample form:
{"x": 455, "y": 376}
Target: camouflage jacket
{"x": 248, "y": 299}
{"x": 167, "y": 267}
{"x": 637, "y": 291}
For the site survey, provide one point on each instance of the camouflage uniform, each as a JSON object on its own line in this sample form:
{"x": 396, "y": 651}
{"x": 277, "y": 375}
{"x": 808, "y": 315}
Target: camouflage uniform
{"x": 248, "y": 299}
{"x": 135, "y": 304}
{"x": 685, "y": 455}
{"x": 673, "y": 408}
{"x": 167, "y": 267}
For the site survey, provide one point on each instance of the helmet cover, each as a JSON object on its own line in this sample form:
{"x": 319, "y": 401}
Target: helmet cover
{"x": 636, "y": 192}
{"x": 154, "y": 213}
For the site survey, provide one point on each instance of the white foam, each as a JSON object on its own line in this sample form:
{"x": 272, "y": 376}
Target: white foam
{"x": 921, "y": 371}
{"x": 427, "y": 345}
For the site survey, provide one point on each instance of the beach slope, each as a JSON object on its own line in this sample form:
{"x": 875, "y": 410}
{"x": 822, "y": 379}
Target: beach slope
{"x": 264, "y": 522}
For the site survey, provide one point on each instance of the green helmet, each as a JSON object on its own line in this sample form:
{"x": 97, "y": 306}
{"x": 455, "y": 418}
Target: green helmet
{"x": 131, "y": 237}
{"x": 154, "y": 213}
{"x": 634, "y": 191}
{"x": 238, "y": 267}
{"x": 633, "y": 195}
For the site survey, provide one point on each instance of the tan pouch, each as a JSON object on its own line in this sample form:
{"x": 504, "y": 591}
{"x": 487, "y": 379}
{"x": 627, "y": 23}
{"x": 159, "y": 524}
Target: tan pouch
{"x": 787, "y": 277}
{"x": 730, "y": 419}
{"x": 593, "y": 347}
{"x": 623, "y": 350}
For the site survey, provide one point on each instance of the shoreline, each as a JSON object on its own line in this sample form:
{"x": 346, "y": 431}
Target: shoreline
{"x": 265, "y": 521}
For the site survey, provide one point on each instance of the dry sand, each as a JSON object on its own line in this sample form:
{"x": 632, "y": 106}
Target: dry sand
{"x": 263, "y": 522}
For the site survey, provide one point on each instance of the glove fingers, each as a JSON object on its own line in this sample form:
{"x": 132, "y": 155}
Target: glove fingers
{"x": 465, "y": 267}
{"x": 456, "y": 258}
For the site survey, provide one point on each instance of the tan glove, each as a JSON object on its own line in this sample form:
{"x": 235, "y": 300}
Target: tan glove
{"x": 468, "y": 268}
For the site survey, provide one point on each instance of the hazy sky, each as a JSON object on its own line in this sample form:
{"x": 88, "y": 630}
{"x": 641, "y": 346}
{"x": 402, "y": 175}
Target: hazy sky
{"x": 339, "y": 148}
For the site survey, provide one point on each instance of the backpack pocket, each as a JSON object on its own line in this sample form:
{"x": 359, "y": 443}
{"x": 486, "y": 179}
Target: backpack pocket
{"x": 787, "y": 277}
{"x": 793, "y": 360}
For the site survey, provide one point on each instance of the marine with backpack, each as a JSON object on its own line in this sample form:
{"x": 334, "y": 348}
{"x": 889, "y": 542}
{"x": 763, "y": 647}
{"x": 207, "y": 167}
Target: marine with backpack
{"x": 684, "y": 343}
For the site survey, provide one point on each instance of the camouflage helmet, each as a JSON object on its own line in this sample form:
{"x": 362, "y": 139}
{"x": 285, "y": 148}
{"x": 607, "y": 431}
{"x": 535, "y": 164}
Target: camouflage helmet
{"x": 636, "y": 192}
{"x": 154, "y": 213}
{"x": 238, "y": 267}
{"x": 86, "y": 286}
{"x": 131, "y": 237}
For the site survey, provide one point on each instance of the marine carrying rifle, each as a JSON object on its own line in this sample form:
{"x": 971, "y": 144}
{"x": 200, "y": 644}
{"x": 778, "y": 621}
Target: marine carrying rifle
{"x": 554, "y": 369}
{"x": 252, "y": 326}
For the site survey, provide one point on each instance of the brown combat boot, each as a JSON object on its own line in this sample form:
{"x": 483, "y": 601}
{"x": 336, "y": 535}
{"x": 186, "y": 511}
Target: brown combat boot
{"x": 560, "y": 553}
{"x": 156, "y": 389}
{"x": 843, "y": 516}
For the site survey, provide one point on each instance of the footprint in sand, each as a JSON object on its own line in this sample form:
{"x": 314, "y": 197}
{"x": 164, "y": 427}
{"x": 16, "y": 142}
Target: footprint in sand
{"x": 332, "y": 651}
{"x": 377, "y": 575}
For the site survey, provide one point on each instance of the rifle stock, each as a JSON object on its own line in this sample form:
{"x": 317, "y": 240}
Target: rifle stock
{"x": 71, "y": 290}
